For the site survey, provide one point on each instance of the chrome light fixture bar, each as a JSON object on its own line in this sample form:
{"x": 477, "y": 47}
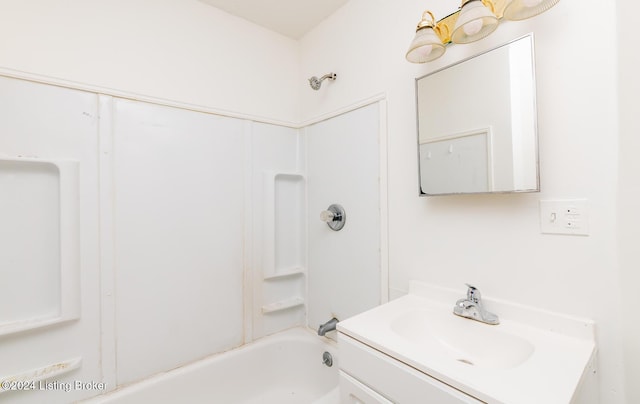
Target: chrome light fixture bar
{"x": 474, "y": 20}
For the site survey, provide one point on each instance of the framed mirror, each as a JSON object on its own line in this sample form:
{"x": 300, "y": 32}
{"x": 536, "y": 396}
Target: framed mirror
{"x": 477, "y": 128}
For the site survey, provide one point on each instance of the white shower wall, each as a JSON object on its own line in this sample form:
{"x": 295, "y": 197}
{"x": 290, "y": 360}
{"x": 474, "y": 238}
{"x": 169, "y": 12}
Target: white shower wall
{"x": 198, "y": 232}
{"x": 274, "y": 151}
{"x": 172, "y": 207}
{"x": 175, "y": 295}
{"x": 35, "y": 123}
{"x": 179, "y": 222}
{"x": 189, "y": 212}
{"x": 344, "y": 167}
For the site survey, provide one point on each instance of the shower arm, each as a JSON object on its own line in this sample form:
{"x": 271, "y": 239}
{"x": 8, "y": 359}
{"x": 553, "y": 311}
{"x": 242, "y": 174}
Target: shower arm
{"x": 330, "y": 76}
{"x": 315, "y": 82}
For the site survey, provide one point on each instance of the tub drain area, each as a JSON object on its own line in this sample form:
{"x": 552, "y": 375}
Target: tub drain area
{"x": 327, "y": 359}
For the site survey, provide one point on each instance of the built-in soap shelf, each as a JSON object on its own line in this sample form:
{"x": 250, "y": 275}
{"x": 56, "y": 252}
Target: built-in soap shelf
{"x": 284, "y": 223}
{"x": 285, "y": 273}
{"x": 282, "y": 305}
{"x": 285, "y": 282}
{"x": 36, "y": 375}
{"x": 283, "y": 250}
{"x": 39, "y": 213}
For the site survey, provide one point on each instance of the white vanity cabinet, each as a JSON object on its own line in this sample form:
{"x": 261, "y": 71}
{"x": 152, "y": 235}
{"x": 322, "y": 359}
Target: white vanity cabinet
{"x": 368, "y": 376}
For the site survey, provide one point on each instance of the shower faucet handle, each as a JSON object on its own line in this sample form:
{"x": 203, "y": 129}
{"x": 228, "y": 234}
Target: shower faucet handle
{"x": 334, "y": 217}
{"x": 327, "y": 216}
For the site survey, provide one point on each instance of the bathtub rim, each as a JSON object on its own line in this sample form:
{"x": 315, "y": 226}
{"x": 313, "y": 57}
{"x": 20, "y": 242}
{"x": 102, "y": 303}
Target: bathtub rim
{"x": 291, "y": 334}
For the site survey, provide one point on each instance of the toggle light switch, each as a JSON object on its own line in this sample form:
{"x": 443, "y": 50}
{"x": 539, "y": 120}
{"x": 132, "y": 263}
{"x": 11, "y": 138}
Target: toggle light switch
{"x": 564, "y": 217}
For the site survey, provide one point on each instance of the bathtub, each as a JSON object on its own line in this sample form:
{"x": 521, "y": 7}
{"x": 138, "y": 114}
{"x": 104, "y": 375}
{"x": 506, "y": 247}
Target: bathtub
{"x": 284, "y": 368}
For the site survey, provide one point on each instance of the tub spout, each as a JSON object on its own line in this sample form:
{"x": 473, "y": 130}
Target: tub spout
{"x": 328, "y": 326}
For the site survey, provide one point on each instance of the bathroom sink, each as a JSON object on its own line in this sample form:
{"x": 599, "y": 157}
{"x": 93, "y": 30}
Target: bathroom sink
{"x": 503, "y": 363}
{"x": 466, "y": 341}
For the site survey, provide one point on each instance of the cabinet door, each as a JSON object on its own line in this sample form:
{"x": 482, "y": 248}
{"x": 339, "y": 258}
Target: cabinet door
{"x": 354, "y": 392}
{"x": 401, "y": 383}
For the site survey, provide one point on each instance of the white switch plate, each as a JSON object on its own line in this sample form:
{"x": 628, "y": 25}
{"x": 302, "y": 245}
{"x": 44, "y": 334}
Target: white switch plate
{"x": 564, "y": 217}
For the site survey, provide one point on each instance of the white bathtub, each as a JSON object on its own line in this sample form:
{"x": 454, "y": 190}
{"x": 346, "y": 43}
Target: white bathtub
{"x": 285, "y": 368}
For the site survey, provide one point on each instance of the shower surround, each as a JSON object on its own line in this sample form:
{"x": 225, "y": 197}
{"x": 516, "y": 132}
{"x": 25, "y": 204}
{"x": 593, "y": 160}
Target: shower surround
{"x": 193, "y": 232}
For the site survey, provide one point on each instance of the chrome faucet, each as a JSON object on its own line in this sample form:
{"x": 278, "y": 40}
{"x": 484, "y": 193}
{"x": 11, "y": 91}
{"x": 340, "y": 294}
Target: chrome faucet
{"x": 472, "y": 307}
{"x": 328, "y": 326}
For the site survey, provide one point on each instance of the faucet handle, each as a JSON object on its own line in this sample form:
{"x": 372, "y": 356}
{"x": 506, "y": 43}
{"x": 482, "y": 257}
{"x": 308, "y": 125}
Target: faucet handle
{"x": 473, "y": 294}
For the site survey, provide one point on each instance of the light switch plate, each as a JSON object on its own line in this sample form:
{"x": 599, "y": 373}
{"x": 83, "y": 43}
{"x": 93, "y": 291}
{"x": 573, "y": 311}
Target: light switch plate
{"x": 569, "y": 217}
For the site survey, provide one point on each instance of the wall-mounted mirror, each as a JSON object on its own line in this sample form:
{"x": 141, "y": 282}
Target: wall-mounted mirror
{"x": 477, "y": 124}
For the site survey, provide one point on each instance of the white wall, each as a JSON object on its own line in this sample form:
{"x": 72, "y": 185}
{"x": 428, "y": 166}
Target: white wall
{"x": 34, "y": 122}
{"x": 343, "y": 166}
{"x": 275, "y": 150}
{"x": 171, "y": 269}
{"x": 190, "y": 54}
{"x": 178, "y": 194}
{"x": 495, "y": 241}
{"x": 171, "y": 236}
{"x": 629, "y": 188}
{"x": 179, "y": 50}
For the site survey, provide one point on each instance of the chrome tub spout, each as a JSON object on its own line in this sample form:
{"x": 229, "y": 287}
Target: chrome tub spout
{"x": 328, "y": 326}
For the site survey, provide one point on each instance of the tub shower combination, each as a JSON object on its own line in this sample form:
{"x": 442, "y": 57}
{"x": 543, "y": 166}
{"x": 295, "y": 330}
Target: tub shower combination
{"x": 289, "y": 363}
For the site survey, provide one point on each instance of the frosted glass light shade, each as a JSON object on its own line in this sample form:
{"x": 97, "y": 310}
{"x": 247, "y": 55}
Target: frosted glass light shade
{"x": 474, "y": 22}
{"x": 425, "y": 47}
{"x": 523, "y": 9}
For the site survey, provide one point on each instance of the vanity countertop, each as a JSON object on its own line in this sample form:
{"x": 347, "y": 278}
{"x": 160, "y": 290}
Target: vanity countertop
{"x": 532, "y": 356}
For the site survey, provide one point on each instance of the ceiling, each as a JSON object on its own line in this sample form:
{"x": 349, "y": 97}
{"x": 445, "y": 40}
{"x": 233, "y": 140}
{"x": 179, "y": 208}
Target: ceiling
{"x": 292, "y": 18}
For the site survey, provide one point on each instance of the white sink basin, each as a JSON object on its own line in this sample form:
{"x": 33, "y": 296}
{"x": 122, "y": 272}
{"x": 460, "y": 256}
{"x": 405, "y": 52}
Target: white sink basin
{"x": 504, "y": 363}
{"x": 464, "y": 340}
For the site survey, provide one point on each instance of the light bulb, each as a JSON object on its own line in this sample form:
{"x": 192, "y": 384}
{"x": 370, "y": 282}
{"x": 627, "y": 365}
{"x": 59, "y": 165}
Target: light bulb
{"x": 425, "y": 50}
{"x": 472, "y": 27}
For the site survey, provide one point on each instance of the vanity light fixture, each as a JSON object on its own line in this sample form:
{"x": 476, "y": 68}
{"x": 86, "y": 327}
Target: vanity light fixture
{"x": 427, "y": 44}
{"x": 473, "y": 21}
{"x": 523, "y": 9}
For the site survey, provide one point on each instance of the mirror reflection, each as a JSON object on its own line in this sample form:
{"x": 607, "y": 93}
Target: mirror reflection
{"x": 477, "y": 124}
